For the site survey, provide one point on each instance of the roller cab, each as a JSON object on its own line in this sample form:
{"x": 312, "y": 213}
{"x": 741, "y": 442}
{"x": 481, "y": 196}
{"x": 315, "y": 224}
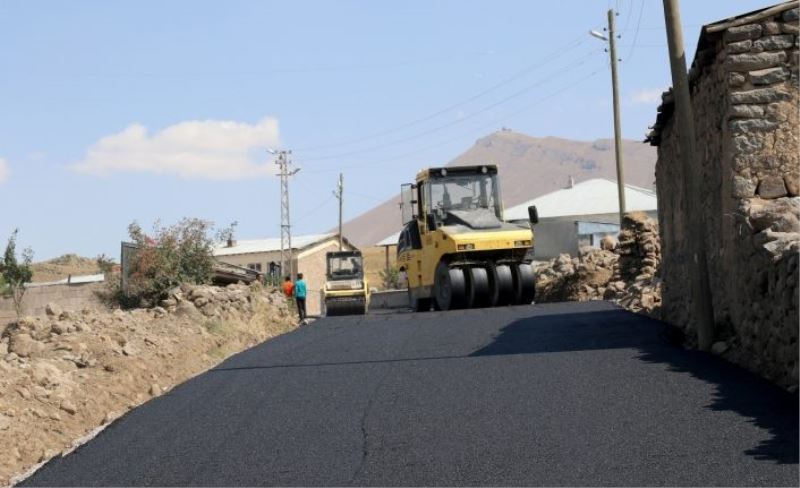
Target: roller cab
{"x": 455, "y": 248}
{"x": 346, "y": 291}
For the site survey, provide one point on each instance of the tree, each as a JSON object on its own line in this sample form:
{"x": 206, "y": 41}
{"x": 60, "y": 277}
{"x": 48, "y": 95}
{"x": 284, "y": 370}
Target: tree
{"x": 15, "y": 274}
{"x": 181, "y": 253}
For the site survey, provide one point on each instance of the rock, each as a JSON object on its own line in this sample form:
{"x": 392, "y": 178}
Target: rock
{"x": 5, "y": 422}
{"x": 759, "y": 95}
{"x": 3, "y": 349}
{"x": 53, "y": 309}
{"x": 24, "y": 345}
{"x": 24, "y": 393}
{"x": 128, "y": 350}
{"x": 750, "y": 61}
{"x": 736, "y": 79}
{"x": 159, "y": 312}
{"x": 739, "y": 33}
{"x": 792, "y": 181}
{"x": 770, "y": 28}
{"x": 752, "y": 125}
{"x": 608, "y": 243}
{"x": 769, "y": 76}
{"x": 45, "y": 374}
{"x": 746, "y": 111}
{"x": 155, "y": 390}
{"x": 69, "y": 407}
{"x": 168, "y": 302}
{"x": 790, "y": 28}
{"x": 62, "y": 327}
{"x": 774, "y": 43}
{"x": 772, "y": 187}
{"x": 719, "y": 348}
{"x": 739, "y": 47}
{"x": 791, "y": 15}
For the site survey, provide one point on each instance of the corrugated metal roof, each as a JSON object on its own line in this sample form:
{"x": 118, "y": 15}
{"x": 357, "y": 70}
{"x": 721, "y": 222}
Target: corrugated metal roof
{"x": 390, "y": 240}
{"x": 591, "y": 197}
{"x": 75, "y": 280}
{"x": 268, "y": 245}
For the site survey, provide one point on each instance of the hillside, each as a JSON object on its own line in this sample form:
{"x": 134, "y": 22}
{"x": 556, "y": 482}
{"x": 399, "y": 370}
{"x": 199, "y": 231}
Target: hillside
{"x": 62, "y": 267}
{"x": 529, "y": 167}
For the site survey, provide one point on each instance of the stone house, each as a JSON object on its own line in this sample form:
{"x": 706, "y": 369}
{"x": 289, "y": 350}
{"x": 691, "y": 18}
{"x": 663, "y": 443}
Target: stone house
{"x": 308, "y": 257}
{"x": 744, "y": 87}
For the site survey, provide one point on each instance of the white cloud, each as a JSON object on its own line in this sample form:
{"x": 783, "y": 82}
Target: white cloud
{"x": 648, "y": 97}
{"x": 208, "y": 149}
{"x": 3, "y": 170}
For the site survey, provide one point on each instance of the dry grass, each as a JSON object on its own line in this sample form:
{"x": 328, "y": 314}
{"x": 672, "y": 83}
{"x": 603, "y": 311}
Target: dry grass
{"x": 375, "y": 262}
{"x": 62, "y": 267}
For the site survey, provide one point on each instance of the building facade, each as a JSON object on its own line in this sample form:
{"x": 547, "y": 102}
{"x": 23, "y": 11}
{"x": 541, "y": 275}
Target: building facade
{"x": 744, "y": 88}
{"x": 308, "y": 257}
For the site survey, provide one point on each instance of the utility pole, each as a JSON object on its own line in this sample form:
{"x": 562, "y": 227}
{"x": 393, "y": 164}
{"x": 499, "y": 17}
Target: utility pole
{"x": 284, "y": 172}
{"x": 702, "y": 309}
{"x": 339, "y": 194}
{"x": 612, "y": 50}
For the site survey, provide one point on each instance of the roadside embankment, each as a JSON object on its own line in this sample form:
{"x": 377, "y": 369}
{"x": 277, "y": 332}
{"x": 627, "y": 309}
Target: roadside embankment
{"x": 64, "y": 375}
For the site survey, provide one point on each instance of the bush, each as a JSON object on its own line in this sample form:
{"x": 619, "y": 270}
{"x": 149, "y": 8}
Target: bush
{"x": 15, "y": 274}
{"x": 181, "y": 253}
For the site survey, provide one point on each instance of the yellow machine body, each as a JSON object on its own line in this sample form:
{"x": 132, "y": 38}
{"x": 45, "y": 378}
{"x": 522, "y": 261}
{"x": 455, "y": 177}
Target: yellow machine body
{"x": 346, "y": 290}
{"x": 490, "y": 250}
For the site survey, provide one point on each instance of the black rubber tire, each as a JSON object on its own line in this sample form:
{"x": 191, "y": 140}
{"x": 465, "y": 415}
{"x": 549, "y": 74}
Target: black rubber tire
{"x": 478, "y": 292}
{"x": 524, "y": 284}
{"x": 502, "y": 285}
{"x": 449, "y": 287}
{"x": 419, "y": 304}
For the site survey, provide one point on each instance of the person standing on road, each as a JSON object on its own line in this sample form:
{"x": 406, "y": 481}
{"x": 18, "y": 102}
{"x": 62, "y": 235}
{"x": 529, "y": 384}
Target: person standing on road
{"x": 300, "y": 297}
{"x": 288, "y": 287}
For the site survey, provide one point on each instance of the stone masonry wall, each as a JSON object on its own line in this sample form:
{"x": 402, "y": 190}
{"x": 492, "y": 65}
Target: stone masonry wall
{"x": 745, "y": 98}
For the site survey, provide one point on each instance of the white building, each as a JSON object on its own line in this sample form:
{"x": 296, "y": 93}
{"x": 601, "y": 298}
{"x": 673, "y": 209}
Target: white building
{"x": 580, "y": 215}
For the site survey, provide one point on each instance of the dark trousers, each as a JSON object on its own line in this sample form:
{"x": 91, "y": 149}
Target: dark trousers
{"x": 301, "y": 307}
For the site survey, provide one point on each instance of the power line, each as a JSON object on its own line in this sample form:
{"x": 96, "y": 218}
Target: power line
{"x": 553, "y": 55}
{"x": 574, "y": 64}
{"x": 459, "y": 137}
{"x": 636, "y": 33}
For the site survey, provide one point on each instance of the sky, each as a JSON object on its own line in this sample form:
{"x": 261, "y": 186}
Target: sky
{"x": 112, "y": 112}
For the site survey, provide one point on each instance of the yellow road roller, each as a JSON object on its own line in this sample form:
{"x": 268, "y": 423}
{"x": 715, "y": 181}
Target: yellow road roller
{"x": 346, "y": 291}
{"x": 455, "y": 249}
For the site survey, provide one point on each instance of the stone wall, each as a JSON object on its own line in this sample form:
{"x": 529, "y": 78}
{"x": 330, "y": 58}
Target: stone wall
{"x": 68, "y": 296}
{"x": 745, "y": 97}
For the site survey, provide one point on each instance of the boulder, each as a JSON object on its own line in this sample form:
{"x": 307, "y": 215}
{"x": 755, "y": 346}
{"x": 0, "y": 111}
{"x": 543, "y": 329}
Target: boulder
{"x": 53, "y": 309}
{"x": 24, "y": 345}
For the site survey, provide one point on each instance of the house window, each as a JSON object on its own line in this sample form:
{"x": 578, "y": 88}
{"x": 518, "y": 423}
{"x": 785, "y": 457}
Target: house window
{"x": 254, "y": 266}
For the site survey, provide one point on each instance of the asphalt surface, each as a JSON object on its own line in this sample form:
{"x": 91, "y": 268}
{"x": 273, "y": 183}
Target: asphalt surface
{"x": 561, "y": 394}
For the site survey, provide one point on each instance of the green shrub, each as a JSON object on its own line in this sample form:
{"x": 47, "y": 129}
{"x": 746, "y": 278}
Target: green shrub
{"x": 170, "y": 256}
{"x": 15, "y": 274}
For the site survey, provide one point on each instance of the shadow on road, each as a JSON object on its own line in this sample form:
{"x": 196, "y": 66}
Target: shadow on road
{"x": 737, "y": 390}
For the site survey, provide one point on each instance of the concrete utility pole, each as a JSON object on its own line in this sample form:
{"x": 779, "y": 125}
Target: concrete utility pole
{"x": 286, "y": 228}
{"x": 612, "y": 50}
{"x": 702, "y": 310}
{"x": 339, "y": 194}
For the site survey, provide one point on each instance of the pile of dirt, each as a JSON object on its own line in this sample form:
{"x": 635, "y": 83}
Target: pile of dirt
{"x": 64, "y": 375}
{"x": 624, "y": 272}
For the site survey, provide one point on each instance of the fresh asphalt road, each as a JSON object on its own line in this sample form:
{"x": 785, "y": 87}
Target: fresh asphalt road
{"x": 557, "y": 394}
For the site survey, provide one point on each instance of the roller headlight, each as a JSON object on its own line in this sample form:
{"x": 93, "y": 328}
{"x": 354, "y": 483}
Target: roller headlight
{"x": 466, "y": 247}
{"x": 522, "y": 243}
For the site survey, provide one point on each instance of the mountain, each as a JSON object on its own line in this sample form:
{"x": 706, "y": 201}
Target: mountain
{"x": 529, "y": 167}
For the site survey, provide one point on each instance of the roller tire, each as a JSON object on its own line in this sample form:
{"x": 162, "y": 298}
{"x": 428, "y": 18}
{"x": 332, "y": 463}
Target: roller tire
{"x": 478, "y": 291}
{"x": 524, "y": 284}
{"x": 450, "y": 287}
{"x": 501, "y": 285}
